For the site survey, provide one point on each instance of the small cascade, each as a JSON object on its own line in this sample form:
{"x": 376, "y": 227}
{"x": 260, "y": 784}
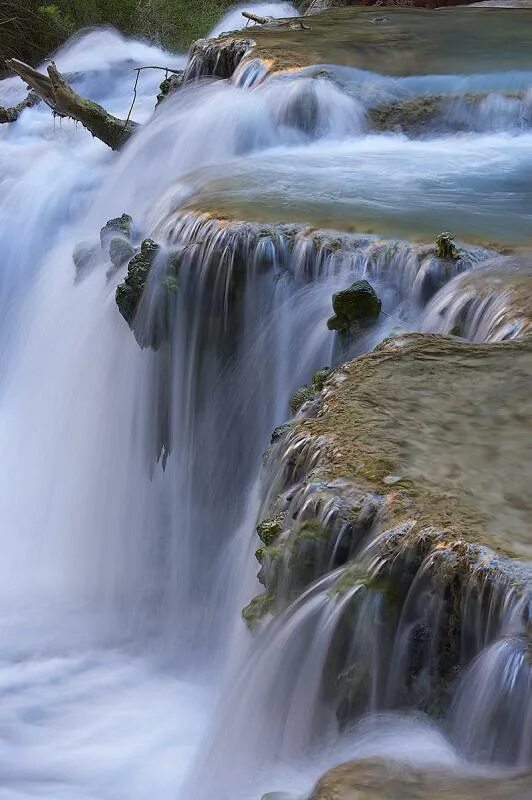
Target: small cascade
{"x": 489, "y": 304}
{"x": 492, "y": 711}
{"x": 153, "y": 642}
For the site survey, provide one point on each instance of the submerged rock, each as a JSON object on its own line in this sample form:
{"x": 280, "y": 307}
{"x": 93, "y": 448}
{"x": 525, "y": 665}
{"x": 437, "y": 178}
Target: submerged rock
{"x": 85, "y": 257}
{"x": 354, "y": 308}
{"x": 121, "y": 251}
{"x": 116, "y": 245}
{"x": 380, "y": 779}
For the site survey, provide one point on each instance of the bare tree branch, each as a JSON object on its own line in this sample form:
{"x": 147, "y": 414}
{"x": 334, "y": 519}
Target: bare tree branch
{"x": 12, "y": 114}
{"x": 65, "y": 102}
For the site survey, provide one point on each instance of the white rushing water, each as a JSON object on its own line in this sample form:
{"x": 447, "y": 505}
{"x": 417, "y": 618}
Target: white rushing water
{"x": 121, "y": 583}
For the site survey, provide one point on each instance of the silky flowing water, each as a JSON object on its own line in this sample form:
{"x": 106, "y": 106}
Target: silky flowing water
{"x": 129, "y": 479}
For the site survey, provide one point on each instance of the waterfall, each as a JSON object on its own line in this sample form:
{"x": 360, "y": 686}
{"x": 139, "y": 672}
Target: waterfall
{"x": 138, "y": 456}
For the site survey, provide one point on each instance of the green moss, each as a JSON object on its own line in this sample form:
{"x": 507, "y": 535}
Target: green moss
{"x": 320, "y": 377}
{"x": 269, "y": 529}
{"x": 257, "y": 609}
{"x": 300, "y": 397}
{"x": 411, "y": 116}
{"x": 445, "y": 247}
{"x": 129, "y": 293}
{"x": 310, "y": 530}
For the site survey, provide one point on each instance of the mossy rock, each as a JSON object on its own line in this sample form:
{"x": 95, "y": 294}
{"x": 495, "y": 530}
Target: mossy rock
{"x": 118, "y": 226}
{"x": 169, "y": 85}
{"x": 155, "y": 328}
{"x": 121, "y": 251}
{"x": 85, "y": 257}
{"x": 129, "y": 293}
{"x": 269, "y": 529}
{"x": 355, "y": 307}
{"x": 257, "y": 609}
{"x": 308, "y": 391}
{"x": 445, "y": 247}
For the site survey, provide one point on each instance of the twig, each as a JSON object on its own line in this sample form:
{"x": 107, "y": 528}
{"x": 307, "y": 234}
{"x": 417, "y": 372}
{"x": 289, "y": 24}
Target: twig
{"x": 126, "y": 123}
{"x": 164, "y": 69}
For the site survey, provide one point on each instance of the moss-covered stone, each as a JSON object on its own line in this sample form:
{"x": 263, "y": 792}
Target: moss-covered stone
{"x": 445, "y": 247}
{"x": 300, "y": 397}
{"x": 129, "y": 293}
{"x": 354, "y": 308}
{"x": 121, "y": 251}
{"x": 118, "y": 226}
{"x": 257, "y": 609}
{"x": 155, "y": 327}
{"x": 169, "y": 85}
{"x": 269, "y": 529}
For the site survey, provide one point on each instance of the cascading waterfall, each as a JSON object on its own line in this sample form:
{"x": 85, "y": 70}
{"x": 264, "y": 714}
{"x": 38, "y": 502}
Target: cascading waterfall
{"x": 131, "y": 476}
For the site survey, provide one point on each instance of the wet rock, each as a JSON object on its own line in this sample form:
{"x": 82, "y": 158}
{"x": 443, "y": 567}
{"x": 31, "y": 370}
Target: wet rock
{"x": 85, "y": 257}
{"x": 300, "y": 397}
{"x": 121, "y": 251}
{"x": 269, "y": 529}
{"x": 119, "y": 226}
{"x": 154, "y": 328}
{"x": 380, "y": 779}
{"x": 354, "y": 308}
{"x": 307, "y": 392}
{"x": 445, "y": 248}
{"x": 129, "y": 293}
{"x": 169, "y": 85}
{"x": 257, "y": 609}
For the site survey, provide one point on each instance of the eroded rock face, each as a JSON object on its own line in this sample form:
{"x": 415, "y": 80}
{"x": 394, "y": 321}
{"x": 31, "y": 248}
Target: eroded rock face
{"x": 402, "y": 490}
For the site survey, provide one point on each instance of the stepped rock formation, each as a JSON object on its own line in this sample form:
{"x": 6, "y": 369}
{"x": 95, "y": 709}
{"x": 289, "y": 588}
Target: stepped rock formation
{"x": 402, "y": 485}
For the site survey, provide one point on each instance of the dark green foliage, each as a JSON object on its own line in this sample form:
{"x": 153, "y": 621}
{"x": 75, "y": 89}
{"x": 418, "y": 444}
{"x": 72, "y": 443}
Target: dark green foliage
{"x": 30, "y": 30}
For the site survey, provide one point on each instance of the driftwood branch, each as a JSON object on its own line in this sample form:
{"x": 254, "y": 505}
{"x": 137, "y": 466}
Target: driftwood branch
{"x": 254, "y": 18}
{"x": 291, "y": 24}
{"x": 65, "y": 102}
{"x": 12, "y": 114}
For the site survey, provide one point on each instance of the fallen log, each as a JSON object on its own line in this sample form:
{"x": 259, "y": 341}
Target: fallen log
{"x": 65, "y": 102}
{"x": 13, "y": 113}
{"x": 281, "y": 23}
{"x": 254, "y": 18}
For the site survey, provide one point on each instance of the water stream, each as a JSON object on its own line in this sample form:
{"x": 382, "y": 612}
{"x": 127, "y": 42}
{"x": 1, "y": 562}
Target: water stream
{"x": 130, "y": 479}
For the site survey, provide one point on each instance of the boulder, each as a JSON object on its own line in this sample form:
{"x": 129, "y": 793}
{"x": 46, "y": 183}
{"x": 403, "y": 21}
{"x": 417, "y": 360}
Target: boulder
{"x": 379, "y": 779}
{"x": 129, "y": 293}
{"x": 118, "y": 226}
{"x": 354, "y": 308}
{"x": 85, "y": 256}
